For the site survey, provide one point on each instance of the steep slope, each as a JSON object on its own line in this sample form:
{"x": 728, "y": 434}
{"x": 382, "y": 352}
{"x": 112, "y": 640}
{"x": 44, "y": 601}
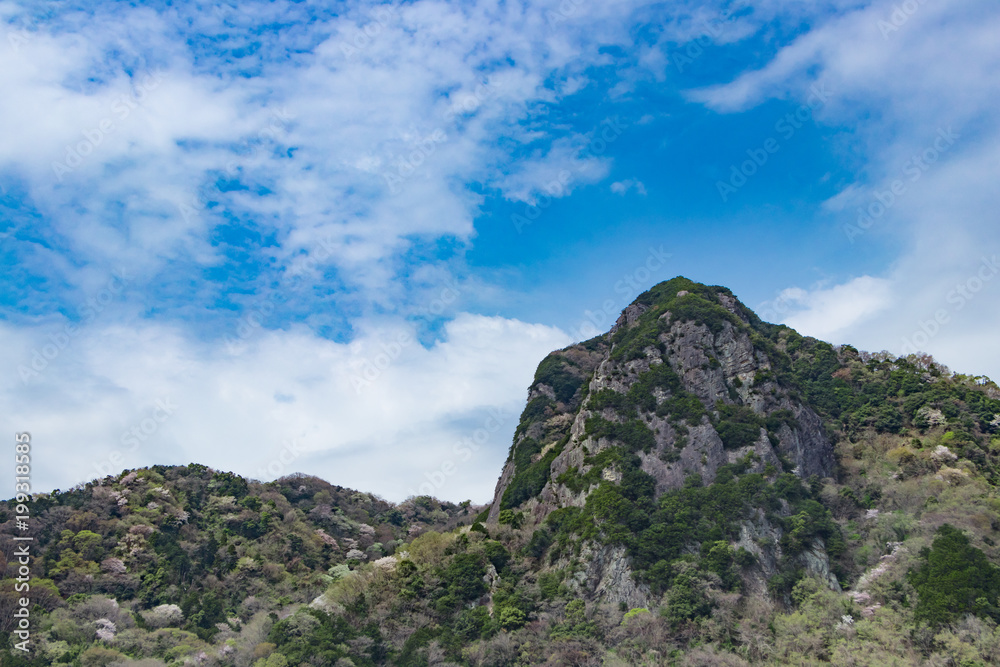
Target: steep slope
{"x": 689, "y": 384}
{"x": 676, "y": 357}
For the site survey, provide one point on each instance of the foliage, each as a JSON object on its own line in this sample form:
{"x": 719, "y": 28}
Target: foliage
{"x": 633, "y": 435}
{"x": 955, "y": 578}
{"x": 187, "y": 549}
{"x": 738, "y": 426}
{"x": 560, "y": 374}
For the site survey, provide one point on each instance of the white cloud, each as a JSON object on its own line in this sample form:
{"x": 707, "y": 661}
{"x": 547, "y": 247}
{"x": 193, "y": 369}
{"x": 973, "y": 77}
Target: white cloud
{"x": 824, "y": 312}
{"x": 370, "y": 153}
{"x": 376, "y": 414}
{"x": 949, "y": 312}
{"x": 567, "y": 164}
{"x": 622, "y": 187}
{"x": 375, "y": 140}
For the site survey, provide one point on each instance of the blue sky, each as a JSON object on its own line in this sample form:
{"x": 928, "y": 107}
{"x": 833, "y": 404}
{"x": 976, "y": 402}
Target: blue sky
{"x": 338, "y": 238}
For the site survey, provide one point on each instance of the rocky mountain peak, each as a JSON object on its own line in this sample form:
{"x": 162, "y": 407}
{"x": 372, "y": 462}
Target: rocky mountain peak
{"x": 686, "y": 388}
{"x": 684, "y": 380}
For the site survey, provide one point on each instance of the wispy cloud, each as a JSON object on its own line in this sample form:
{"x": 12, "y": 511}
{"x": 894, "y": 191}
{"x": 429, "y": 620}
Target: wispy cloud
{"x": 826, "y": 312}
{"x": 623, "y": 187}
{"x": 143, "y": 147}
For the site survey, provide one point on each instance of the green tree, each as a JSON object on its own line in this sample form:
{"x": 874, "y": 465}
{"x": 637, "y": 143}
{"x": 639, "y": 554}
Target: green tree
{"x": 955, "y": 579}
{"x": 465, "y": 577}
{"x": 514, "y": 519}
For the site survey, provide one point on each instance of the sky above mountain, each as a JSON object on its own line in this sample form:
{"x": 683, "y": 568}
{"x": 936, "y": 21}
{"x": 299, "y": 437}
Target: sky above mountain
{"x": 337, "y": 238}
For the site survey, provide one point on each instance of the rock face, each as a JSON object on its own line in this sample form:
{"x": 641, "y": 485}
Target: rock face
{"x": 762, "y": 539}
{"x": 609, "y": 577}
{"x": 505, "y": 477}
{"x": 695, "y": 368}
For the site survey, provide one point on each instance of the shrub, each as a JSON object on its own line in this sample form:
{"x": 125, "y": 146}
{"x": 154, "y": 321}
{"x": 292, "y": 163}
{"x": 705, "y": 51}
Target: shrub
{"x": 510, "y": 517}
{"x": 632, "y": 613}
{"x": 548, "y": 584}
{"x": 273, "y": 660}
{"x": 97, "y": 656}
{"x": 555, "y": 371}
{"x": 634, "y": 435}
{"x": 511, "y": 618}
{"x": 464, "y": 576}
{"x": 575, "y": 624}
{"x": 738, "y": 425}
{"x": 540, "y": 541}
{"x": 686, "y": 600}
{"x": 496, "y": 554}
{"x": 471, "y": 624}
{"x": 529, "y": 477}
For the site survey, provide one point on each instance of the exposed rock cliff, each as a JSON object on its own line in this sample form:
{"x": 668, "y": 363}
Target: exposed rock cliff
{"x": 688, "y": 381}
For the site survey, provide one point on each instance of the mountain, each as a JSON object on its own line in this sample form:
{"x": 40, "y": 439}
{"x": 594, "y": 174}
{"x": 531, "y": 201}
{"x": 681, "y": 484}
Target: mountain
{"x": 695, "y": 487}
{"x": 688, "y": 385}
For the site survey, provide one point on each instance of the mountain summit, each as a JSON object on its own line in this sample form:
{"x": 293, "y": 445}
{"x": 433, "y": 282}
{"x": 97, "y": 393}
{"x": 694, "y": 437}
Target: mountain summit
{"x": 686, "y": 381}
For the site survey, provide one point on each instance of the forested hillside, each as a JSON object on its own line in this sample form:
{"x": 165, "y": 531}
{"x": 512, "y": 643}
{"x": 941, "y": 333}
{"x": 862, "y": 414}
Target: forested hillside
{"x": 175, "y": 562}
